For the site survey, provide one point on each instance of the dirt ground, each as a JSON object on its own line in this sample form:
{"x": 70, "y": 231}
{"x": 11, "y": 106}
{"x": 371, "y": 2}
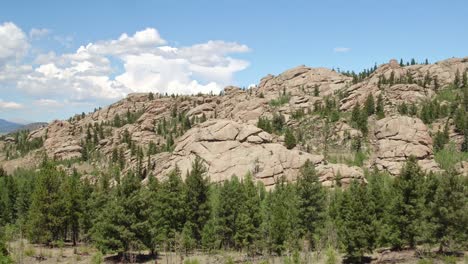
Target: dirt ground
{"x": 25, "y": 253}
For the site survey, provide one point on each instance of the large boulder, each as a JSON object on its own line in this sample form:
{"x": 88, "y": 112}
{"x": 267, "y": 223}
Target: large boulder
{"x": 339, "y": 174}
{"x": 61, "y": 143}
{"x": 399, "y": 137}
{"x": 230, "y": 148}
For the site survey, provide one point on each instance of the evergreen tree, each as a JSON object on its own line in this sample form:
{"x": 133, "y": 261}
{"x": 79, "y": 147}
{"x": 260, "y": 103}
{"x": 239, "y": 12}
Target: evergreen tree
{"x": 312, "y": 201}
{"x": 465, "y": 79}
{"x": 362, "y": 122}
{"x": 317, "y": 91}
{"x": 73, "y": 204}
{"x": 122, "y": 226}
{"x": 198, "y": 209}
{"x": 168, "y": 211}
{"x": 46, "y": 215}
{"x": 230, "y": 206}
{"x": 370, "y": 105}
{"x": 355, "y": 116}
{"x": 249, "y": 218}
{"x": 357, "y": 218}
{"x": 449, "y": 212}
{"x": 407, "y": 211}
{"x": 283, "y": 222}
{"x": 456, "y": 81}
{"x": 380, "y": 107}
{"x": 289, "y": 139}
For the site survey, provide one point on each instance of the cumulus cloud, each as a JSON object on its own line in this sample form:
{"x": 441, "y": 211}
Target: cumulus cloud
{"x": 148, "y": 65}
{"x": 37, "y": 33}
{"x": 341, "y": 50}
{"x": 13, "y": 43}
{"x": 5, "y": 105}
{"x": 145, "y": 62}
{"x": 48, "y": 103}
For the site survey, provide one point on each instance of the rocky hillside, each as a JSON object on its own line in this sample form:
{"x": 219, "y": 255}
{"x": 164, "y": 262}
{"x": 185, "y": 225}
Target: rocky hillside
{"x": 343, "y": 122}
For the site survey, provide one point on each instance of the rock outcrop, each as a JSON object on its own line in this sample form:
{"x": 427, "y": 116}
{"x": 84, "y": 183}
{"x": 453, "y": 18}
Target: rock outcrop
{"x": 303, "y": 80}
{"x": 60, "y": 142}
{"x": 399, "y": 137}
{"x": 231, "y": 148}
{"x": 409, "y": 84}
{"x": 339, "y": 174}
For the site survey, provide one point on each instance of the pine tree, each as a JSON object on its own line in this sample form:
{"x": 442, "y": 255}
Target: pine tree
{"x": 407, "y": 211}
{"x": 230, "y": 206}
{"x": 380, "y": 107}
{"x": 46, "y": 215}
{"x": 370, "y": 105}
{"x": 465, "y": 79}
{"x": 283, "y": 223}
{"x": 198, "y": 209}
{"x": 316, "y": 90}
{"x": 122, "y": 226}
{"x": 312, "y": 201}
{"x": 249, "y": 219}
{"x": 289, "y": 139}
{"x": 357, "y": 217}
{"x": 449, "y": 212}
{"x": 73, "y": 204}
{"x": 355, "y": 116}
{"x": 456, "y": 81}
{"x": 168, "y": 210}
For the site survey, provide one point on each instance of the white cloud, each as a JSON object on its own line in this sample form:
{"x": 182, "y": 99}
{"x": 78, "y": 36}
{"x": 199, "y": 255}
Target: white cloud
{"x": 147, "y": 66}
{"x": 13, "y": 43}
{"x": 107, "y": 70}
{"x": 5, "y": 105}
{"x": 48, "y": 103}
{"x": 37, "y": 33}
{"x": 341, "y": 50}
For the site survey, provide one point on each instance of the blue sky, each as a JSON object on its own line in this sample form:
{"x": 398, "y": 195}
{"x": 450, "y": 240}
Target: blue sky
{"x": 207, "y": 45}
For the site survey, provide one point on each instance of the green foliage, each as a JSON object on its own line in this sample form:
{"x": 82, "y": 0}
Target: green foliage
{"x": 167, "y": 213}
{"x": 449, "y": 212}
{"x": 121, "y": 225}
{"x": 380, "y": 107}
{"x": 369, "y": 105}
{"x": 46, "y": 216}
{"x": 408, "y": 209}
{"x": 331, "y": 256}
{"x": 198, "y": 209}
{"x": 282, "y": 99}
{"x": 97, "y": 258}
{"x": 275, "y": 125}
{"x": 316, "y": 90}
{"x": 359, "y": 119}
{"x": 289, "y": 139}
{"x": 357, "y": 217}
{"x": 22, "y": 144}
{"x": 311, "y": 201}
{"x": 282, "y": 223}
{"x": 449, "y": 156}
{"x": 440, "y": 139}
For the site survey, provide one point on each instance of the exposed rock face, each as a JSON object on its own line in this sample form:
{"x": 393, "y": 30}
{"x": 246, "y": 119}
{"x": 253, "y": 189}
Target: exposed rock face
{"x": 333, "y": 174}
{"x": 60, "y": 143}
{"x": 230, "y": 143}
{"x": 302, "y": 80}
{"x": 399, "y": 137}
{"x": 444, "y": 71}
{"x": 462, "y": 168}
{"x": 231, "y": 148}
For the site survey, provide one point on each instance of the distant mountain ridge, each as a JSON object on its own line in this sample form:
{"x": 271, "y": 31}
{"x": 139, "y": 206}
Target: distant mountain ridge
{"x": 8, "y": 126}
